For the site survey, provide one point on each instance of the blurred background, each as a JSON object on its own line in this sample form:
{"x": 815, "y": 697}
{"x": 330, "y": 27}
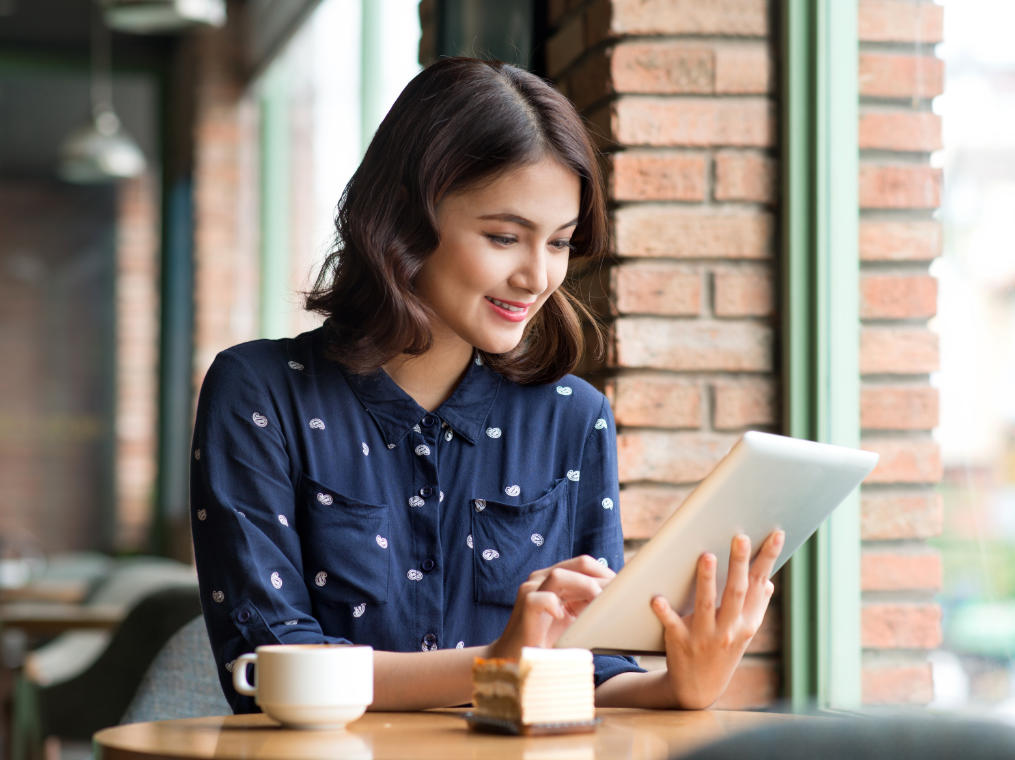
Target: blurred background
{"x": 168, "y": 176}
{"x": 976, "y": 324}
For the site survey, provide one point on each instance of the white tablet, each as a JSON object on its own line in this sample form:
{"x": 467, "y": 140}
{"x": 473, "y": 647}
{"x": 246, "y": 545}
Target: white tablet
{"x": 764, "y": 483}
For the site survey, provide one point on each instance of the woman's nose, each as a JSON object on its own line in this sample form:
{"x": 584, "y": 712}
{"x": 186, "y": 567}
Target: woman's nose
{"x": 531, "y": 272}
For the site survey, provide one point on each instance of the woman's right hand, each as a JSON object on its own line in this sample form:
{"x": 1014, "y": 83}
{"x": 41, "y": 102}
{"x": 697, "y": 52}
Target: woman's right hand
{"x": 548, "y": 602}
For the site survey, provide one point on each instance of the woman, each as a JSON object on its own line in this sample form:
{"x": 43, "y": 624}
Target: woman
{"x": 421, "y": 474}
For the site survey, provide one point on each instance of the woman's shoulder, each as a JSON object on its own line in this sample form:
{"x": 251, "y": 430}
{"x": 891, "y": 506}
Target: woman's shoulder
{"x": 268, "y": 357}
{"x": 578, "y": 394}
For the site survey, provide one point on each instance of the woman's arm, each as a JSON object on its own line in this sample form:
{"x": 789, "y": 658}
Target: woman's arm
{"x": 547, "y": 602}
{"x": 703, "y": 650}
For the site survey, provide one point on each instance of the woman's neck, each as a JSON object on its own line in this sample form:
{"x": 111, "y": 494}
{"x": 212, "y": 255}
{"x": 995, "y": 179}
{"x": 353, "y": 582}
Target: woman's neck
{"x": 431, "y": 377}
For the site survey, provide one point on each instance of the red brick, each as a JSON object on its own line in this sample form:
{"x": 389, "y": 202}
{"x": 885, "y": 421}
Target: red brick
{"x": 747, "y": 18}
{"x": 755, "y": 684}
{"x": 893, "y": 75}
{"x": 657, "y": 176}
{"x": 905, "y": 460}
{"x": 693, "y": 233}
{"x": 644, "y": 507}
{"x": 744, "y": 403}
{"x": 897, "y": 296}
{"x": 900, "y": 21}
{"x": 898, "y": 350}
{"x": 898, "y": 571}
{"x": 898, "y": 407}
{"x": 656, "y": 401}
{"x": 745, "y": 291}
{"x": 884, "y": 240}
{"x": 910, "y": 186}
{"x": 657, "y": 288}
{"x": 905, "y": 131}
{"x": 900, "y": 626}
{"x": 745, "y": 176}
{"x": 694, "y": 122}
{"x": 893, "y": 515}
{"x": 897, "y": 684}
{"x": 768, "y": 639}
{"x": 743, "y": 69}
{"x": 668, "y": 457}
{"x": 662, "y": 68}
{"x": 661, "y": 343}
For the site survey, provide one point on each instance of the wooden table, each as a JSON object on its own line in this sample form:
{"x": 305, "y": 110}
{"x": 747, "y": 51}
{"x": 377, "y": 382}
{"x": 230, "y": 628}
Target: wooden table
{"x": 49, "y": 619}
{"x": 430, "y": 735}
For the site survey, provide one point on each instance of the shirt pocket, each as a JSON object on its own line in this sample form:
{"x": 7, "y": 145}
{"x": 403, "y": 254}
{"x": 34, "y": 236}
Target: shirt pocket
{"x": 344, "y": 545}
{"x": 509, "y": 541}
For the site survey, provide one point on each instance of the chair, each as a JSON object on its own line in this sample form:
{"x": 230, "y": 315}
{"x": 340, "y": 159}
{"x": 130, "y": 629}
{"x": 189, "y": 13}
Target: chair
{"x": 98, "y": 695}
{"x": 929, "y": 737}
{"x": 126, "y": 582}
{"x": 182, "y": 681}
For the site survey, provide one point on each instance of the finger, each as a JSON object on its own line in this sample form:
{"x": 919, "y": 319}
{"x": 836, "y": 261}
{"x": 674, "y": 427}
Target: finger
{"x": 574, "y": 589}
{"x": 703, "y": 623}
{"x": 736, "y": 582}
{"x": 760, "y": 587}
{"x": 581, "y": 564}
{"x": 540, "y": 610}
{"x": 769, "y": 553}
{"x": 586, "y": 565}
{"x": 671, "y": 621}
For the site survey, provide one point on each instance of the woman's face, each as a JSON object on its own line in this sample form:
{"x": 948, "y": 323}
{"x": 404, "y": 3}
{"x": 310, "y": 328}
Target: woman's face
{"x": 503, "y": 250}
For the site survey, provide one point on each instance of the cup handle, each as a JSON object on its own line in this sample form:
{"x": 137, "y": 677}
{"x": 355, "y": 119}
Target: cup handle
{"x": 240, "y": 682}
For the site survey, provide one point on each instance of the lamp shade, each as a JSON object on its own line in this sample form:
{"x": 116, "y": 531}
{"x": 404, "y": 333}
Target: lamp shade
{"x": 160, "y": 16}
{"x": 100, "y": 151}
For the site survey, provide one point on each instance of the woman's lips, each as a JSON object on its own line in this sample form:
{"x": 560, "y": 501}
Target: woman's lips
{"x": 509, "y": 310}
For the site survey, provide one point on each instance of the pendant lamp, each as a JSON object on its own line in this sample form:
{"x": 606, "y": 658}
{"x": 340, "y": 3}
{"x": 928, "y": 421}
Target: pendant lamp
{"x": 162, "y": 16}
{"x": 100, "y": 150}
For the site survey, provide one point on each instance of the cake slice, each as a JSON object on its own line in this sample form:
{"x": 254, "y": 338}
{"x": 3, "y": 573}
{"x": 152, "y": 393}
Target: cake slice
{"x": 543, "y": 686}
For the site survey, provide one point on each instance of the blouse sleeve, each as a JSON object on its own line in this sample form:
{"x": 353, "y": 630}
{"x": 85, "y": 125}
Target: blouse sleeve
{"x": 597, "y": 526}
{"x": 242, "y": 519}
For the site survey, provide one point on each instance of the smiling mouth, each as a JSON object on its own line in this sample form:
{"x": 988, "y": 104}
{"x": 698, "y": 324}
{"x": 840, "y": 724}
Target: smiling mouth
{"x": 508, "y": 306}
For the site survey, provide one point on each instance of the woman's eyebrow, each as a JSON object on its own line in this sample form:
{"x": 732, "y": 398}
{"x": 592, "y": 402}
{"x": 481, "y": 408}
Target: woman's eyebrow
{"x": 522, "y": 221}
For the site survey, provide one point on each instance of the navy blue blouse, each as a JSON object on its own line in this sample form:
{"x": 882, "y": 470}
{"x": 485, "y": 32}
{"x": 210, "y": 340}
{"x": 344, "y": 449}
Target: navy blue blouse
{"x": 329, "y": 506}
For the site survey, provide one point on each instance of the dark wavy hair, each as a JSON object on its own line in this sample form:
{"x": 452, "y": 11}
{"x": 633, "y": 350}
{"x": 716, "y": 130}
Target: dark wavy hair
{"x": 458, "y": 123}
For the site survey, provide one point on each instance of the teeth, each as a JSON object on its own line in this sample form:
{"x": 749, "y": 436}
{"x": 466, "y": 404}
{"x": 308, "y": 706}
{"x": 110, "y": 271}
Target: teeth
{"x": 507, "y": 306}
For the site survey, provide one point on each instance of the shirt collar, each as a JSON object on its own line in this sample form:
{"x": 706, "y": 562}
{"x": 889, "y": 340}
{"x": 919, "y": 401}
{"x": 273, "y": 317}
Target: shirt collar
{"x": 395, "y": 412}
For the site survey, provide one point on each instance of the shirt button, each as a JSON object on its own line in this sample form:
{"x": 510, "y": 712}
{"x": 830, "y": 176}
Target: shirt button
{"x": 426, "y": 491}
{"x": 428, "y": 420}
{"x": 243, "y": 616}
{"x": 428, "y": 565}
{"x": 430, "y": 641}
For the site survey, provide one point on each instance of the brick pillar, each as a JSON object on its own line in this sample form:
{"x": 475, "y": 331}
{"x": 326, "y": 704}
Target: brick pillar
{"x": 226, "y": 256}
{"x": 899, "y": 191}
{"x": 681, "y": 94}
{"x": 137, "y": 340}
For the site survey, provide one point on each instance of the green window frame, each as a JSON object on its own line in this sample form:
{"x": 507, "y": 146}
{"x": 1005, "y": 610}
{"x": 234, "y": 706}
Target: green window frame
{"x": 820, "y": 333}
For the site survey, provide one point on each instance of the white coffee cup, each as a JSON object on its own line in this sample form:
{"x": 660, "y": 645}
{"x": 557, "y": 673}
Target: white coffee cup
{"x": 309, "y": 685}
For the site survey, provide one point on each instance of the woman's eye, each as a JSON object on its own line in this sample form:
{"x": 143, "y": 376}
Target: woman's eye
{"x": 562, "y": 245}
{"x": 501, "y": 239}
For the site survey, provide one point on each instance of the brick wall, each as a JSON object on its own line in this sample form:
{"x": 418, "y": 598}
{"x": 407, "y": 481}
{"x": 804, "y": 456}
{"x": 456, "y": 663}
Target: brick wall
{"x": 137, "y": 342}
{"x": 899, "y": 190}
{"x": 226, "y": 255}
{"x": 681, "y": 95}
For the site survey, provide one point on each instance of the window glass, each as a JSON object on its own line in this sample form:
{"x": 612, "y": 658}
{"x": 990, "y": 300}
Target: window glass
{"x": 976, "y": 324}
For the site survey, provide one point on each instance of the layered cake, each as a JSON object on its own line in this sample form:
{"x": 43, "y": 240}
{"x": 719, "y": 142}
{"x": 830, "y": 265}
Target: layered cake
{"x": 544, "y": 686}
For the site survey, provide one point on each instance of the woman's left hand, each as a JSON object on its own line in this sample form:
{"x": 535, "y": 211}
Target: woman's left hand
{"x": 703, "y": 649}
